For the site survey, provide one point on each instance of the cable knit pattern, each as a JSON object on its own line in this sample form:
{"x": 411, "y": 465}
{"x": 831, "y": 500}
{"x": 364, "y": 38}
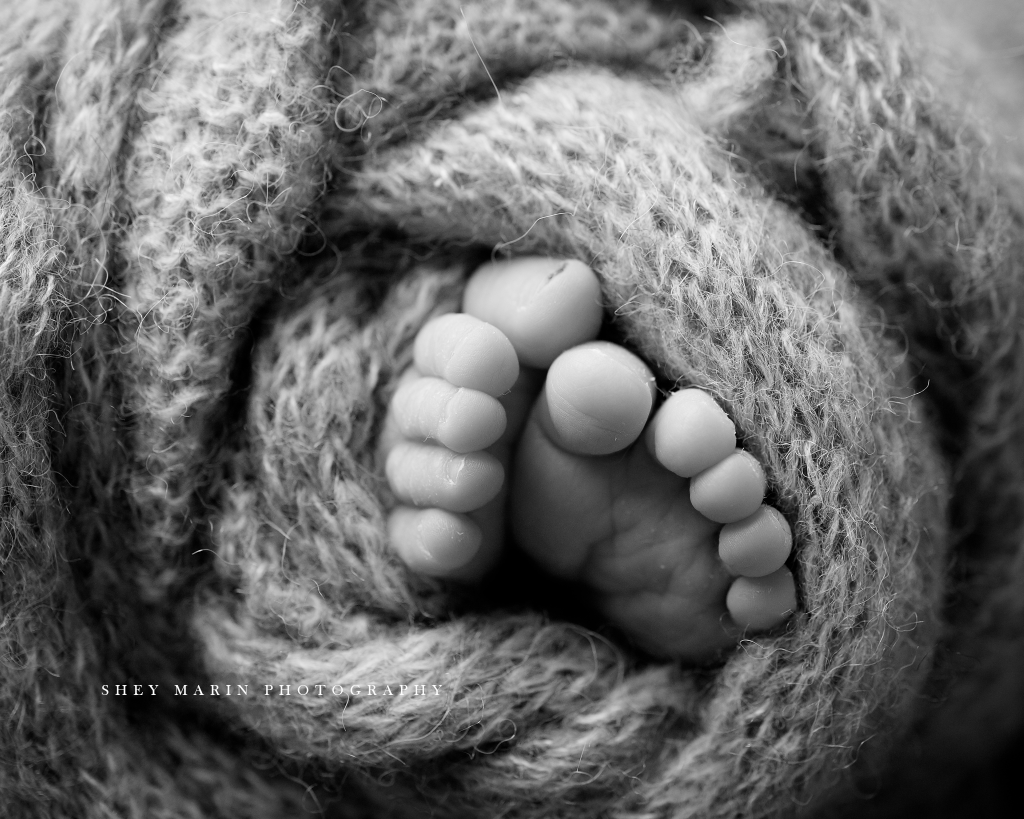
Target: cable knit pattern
{"x": 222, "y": 226}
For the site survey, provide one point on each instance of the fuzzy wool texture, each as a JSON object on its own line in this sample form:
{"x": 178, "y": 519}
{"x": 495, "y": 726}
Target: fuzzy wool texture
{"x": 222, "y": 225}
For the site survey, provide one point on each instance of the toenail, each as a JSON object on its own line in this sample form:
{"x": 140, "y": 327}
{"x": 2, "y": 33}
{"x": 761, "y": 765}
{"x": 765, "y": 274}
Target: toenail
{"x": 454, "y": 468}
{"x": 469, "y": 420}
{"x": 731, "y": 490}
{"x": 757, "y": 545}
{"x": 761, "y": 603}
{"x": 449, "y": 405}
{"x": 755, "y": 466}
{"x": 444, "y": 542}
{"x": 690, "y": 433}
{"x": 483, "y": 359}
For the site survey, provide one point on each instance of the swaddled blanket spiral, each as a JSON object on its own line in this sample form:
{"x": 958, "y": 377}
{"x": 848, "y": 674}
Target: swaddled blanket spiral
{"x": 224, "y": 223}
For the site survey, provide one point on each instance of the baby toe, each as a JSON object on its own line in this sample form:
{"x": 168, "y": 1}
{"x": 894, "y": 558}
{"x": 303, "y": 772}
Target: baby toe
{"x": 730, "y": 490}
{"x": 433, "y": 542}
{"x": 461, "y": 419}
{"x": 544, "y": 306}
{"x": 433, "y": 476}
{"x": 761, "y": 603}
{"x": 757, "y": 545}
{"x": 596, "y": 399}
{"x": 466, "y": 352}
{"x": 690, "y": 432}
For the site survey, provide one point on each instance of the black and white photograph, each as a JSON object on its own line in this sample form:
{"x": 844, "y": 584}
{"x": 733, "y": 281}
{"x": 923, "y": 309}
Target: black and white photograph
{"x": 511, "y": 409}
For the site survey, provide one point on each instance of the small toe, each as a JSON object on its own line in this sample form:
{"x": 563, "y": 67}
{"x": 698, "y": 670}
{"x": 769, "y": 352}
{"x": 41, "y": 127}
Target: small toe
{"x": 432, "y": 476}
{"x": 544, "y": 306}
{"x": 730, "y": 490}
{"x": 433, "y": 542}
{"x": 466, "y": 352}
{"x": 461, "y": 419}
{"x": 597, "y": 398}
{"x": 690, "y": 432}
{"x": 757, "y": 545}
{"x": 761, "y": 603}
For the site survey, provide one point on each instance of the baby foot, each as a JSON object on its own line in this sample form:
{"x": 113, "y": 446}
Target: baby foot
{"x": 660, "y": 517}
{"x": 460, "y": 408}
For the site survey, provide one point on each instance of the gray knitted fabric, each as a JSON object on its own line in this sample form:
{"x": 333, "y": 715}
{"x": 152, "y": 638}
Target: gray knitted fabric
{"x": 222, "y": 225}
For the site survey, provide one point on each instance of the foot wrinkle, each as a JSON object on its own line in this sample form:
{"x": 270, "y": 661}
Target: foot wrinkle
{"x": 446, "y": 407}
{"x": 647, "y": 380}
{"x": 558, "y": 270}
{"x": 594, "y": 422}
{"x": 683, "y": 535}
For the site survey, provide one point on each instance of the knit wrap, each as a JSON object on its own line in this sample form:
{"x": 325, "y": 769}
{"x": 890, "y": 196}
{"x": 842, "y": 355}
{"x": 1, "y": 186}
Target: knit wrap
{"x": 223, "y": 225}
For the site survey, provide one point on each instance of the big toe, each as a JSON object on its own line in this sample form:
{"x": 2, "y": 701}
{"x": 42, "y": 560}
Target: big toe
{"x": 544, "y": 306}
{"x": 596, "y": 399}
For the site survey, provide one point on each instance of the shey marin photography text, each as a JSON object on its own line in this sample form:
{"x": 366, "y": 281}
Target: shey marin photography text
{"x": 275, "y": 690}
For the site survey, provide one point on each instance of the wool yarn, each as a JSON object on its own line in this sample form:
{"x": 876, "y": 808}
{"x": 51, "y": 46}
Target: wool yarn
{"x": 223, "y": 225}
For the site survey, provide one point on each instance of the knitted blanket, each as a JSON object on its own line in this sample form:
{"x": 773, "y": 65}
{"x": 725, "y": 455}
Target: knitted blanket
{"x": 222, "y": 224}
